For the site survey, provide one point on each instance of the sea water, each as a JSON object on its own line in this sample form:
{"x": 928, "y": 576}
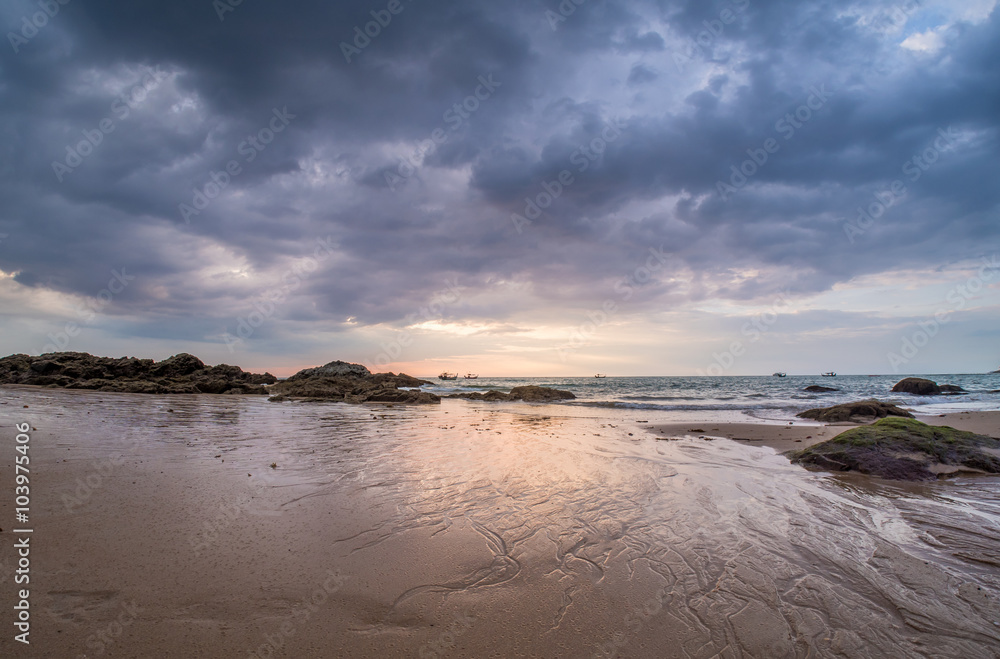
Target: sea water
{"x": 732, "y": 397}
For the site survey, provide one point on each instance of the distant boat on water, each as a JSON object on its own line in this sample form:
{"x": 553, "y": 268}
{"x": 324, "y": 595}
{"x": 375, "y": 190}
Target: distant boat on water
{"x": 779, "y": 374}
{"x": 600, "y": 375}
{"x": 471, "y": 376}
{"x": 829, "y": 374}
{"x": 448, "y": 376}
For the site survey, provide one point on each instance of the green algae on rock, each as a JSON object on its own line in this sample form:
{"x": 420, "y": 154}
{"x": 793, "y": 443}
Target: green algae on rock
{"x": 903, "y": 449}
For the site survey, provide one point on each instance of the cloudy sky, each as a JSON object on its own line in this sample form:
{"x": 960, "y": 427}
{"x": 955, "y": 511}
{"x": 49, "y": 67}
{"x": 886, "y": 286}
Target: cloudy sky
{"x": 643, "y": 187}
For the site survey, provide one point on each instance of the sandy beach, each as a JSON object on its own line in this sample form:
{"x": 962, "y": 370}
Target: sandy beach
{"x": 467, "y": 329}
{"x": 474, "y": 530}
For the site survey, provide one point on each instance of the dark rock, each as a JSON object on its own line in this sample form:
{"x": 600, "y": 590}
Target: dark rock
{"x": 859, "y": 412}
{"x": 44, "y": 367}
{"x": 533, "y": 394}
{"x": 177, "y": 366}
{"x": 335, "y": 369}
{"x": 146, "y": 387}
{"x": 351, "y": 383}
{"x": 401, "y": 380}
{"x": 530, "y": 394}
{"x": 491, "y": 395}
{"x": 952, "y": 389}
{"x": 819, "y": 388}
{"x": 903, "y": 449}
{"x": 222, "y": 386}
{"x": 408, "y": 396}
{"x": 917, "y": 386}
{"x": 180, "y": 374}
{"x": 821, "y": 461}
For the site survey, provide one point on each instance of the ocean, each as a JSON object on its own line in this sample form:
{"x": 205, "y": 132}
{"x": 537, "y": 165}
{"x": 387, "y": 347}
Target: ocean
{"x": 739, "y": 397}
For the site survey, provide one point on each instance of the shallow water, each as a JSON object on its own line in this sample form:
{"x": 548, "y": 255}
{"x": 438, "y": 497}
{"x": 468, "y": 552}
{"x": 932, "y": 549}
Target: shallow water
{"x": 532, "y": 530}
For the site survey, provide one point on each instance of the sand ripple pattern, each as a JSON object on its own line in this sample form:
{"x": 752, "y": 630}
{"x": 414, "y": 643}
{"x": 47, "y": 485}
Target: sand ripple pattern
{"x": 597, "y": 543}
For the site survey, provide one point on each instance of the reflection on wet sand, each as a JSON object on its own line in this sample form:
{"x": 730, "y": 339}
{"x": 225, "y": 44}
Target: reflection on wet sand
{"x": 506, "y": 529}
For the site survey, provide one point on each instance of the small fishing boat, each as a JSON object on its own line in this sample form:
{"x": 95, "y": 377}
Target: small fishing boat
{"x": 829, "y": 374}
{"x": 779, "y": 374}
{"x": 471, "y": 376}
{"x": 448, "y": 376}
{"x": 600, "y": 375}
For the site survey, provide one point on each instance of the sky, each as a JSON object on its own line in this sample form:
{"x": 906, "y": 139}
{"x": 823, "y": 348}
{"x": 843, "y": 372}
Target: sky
{"x": 533, "y": 188}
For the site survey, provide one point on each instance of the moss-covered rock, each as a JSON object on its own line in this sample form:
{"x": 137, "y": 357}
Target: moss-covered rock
{"x": 903, "y": 449}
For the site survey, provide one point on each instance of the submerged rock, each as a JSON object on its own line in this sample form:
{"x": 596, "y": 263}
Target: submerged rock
{"x": 351, "y": 383}
{"x": 860, "y": 412}
{"x": 903, "y": 449}
{"x": 816, "y": 388}
{"x": 491, "y": 395}
{"x": 533, "y": 394}
{"x": 529, "y": 394}
{"x": 180, "y": 374}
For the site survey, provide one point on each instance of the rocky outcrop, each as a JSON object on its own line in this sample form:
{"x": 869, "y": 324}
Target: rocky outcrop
{"x": 815, "y": 388}
{"x": 533, "y": 394}
{"x": 529, "y": 394}
{"x": 924, "y": 387}
{"x": 351, "y": 383}
{"x": 904, "y": 449}
{"x": 491, "y": 395}
{"x": 860, "y": 412}
{"x": 180, "y": 374}
{"x": 917, "y": 387}
{"x": 404, "y": 396}
{"x": 335, "y": 369}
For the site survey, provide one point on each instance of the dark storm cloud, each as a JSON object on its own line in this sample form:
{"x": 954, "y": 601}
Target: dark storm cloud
{"x": 347, "y": 126}
{"x": 640, "y": 74}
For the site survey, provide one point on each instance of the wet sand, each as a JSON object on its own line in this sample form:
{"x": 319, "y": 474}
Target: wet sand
{"x": 485, "y": 530}
{"x": 803, "y": 433}
{"x": 983, "y": 423}
{"x": 781, "y": 437}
